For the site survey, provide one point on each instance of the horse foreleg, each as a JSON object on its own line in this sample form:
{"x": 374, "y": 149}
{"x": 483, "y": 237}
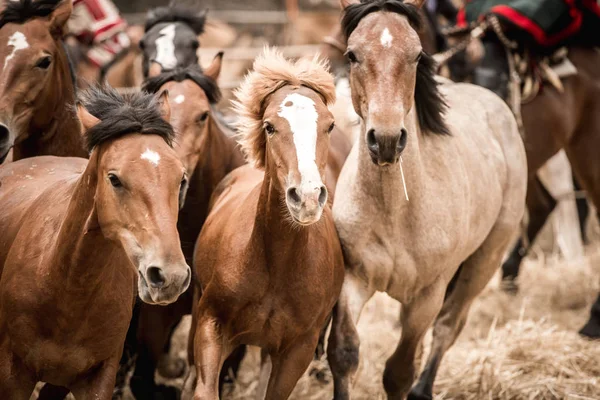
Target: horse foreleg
{"x": 210, "y": 348}
{"x": 474, "y": 275}
{"x": 540, "y": 204}
{"x": 288, "y": 367}
{"x": 100, "y": 384}
{"x": 15, "y": 380}
{"x": 343, "y": 348}
{"x": 400, "y": 369}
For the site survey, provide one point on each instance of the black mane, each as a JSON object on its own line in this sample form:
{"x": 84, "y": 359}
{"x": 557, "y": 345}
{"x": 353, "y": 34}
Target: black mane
{"x": 194, "y": 73}
{"x": 430, "y": 104}
{"x": 190, "y": 17}
{"x": 21, "y": 11}
{"x": 122, "y": 114}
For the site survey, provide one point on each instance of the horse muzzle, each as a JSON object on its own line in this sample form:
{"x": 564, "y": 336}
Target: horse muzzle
{"x": 163, "y": 285}
{"x": 305, "y": 204}
{"x": 385, "y": 149}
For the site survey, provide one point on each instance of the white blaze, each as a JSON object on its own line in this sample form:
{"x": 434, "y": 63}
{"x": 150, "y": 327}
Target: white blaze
{"x": 151, "y": 156}
{"x": 19, "y": 42}
{"x": 165, "y": 47}
{"x": 386, "y": 38}
{"x": 301, "y": 114}
{"x": 180, "y": 99}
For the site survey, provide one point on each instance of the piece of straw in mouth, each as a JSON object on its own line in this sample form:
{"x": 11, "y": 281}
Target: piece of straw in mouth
{"x": 403, "y": 180}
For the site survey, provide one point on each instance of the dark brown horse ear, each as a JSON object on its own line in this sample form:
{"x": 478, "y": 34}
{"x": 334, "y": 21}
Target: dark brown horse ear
{"x": 165, "y": 106}
{"x": 416, "y": 3}
{"x": 214, "y": 69}
{"x": 346, "y": 3}
{"x": 59, "y": 18}
{"x": 88, "y": 121}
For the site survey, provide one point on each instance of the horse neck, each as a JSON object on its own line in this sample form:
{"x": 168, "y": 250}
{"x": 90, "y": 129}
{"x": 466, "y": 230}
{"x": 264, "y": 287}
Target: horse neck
{"x": 81, "y": 252}
{"x": 274, "y": 232}
{"x": 386, "y": 184}
{"x": 60, "y": 136}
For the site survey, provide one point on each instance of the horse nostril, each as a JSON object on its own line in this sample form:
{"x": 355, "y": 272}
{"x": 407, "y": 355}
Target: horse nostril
{"x": 293, "y": 196}
{"x": 372, "y": 141}
{"x": 323, "y": 195}
{"x": 156, "y": 277}
{"x": 4, "y": 133}
{"x": 402, "y": 141}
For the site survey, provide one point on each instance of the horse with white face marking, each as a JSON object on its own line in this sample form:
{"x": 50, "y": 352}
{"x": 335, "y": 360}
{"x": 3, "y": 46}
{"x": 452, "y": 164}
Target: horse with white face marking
{"x": 171, "y": 39}
{"x": 268, "y": 258}
{"x": 36, "y": 84}
{"x": 434, "y": 189}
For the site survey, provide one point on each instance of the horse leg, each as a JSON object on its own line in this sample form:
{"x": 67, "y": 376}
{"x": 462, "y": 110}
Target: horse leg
{"x": 210, "y": 349}
{"x": 540, "y": 204}
{"x": 583, "y": 211}
{"x": 100, "y": 384}
{"x": 52, "y": 392}
{"x": 14, "y": 377}
{"x": 474, "y": 275}
{"x": 343, "y": 348}
{"x": 289, "y": 366}
{"x": 592, "y": 327}
{"x": 400, "y": 369}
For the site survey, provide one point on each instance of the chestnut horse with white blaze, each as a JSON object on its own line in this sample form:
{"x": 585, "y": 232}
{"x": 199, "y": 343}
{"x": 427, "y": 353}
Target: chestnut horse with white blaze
{"x": 268, "y": 258}
{"x": 36, "y": 82}
{"x": 433, "y": 189}
{"x": 80, "y": 239}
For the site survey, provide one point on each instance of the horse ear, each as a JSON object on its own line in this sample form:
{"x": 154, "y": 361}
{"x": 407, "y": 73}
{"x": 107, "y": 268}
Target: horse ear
{"x": 59, "y": 18}
{"x": 346, "y": 3}
{"x": 165, "y": 106}
{"x": 88, "y": 121}
{"x": 416, "y": 3}
{"x": 214, "y": 69}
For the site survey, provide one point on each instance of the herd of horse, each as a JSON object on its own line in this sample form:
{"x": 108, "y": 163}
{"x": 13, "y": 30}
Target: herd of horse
{"x": 121, "y": 213}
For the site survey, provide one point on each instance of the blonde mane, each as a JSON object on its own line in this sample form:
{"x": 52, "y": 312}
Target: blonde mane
{"x": 271, "y": 71}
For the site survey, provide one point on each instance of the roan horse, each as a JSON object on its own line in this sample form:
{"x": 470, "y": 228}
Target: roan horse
{"x": 209, "y": 152}
{"x": 268, "y": 257}
{"x": 70, "y": 271}
{"x": 37, "y": 85}
{"x": 428, "y": 193}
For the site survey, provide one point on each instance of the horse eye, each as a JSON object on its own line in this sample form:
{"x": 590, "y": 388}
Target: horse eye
{"x": 331, "y": 127}
{"x": 203, "y": 117}
{"x": 351, "y": 56}
{"x": 44, "y": 62}
{"x": 419, "y": 57}
{"x": 114, "y": 181}
{"x": 270, "y": 129}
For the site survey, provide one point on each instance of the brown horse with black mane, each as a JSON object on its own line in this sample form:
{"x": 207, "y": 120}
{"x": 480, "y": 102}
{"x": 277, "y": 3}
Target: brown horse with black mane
{"x": 268, "y": 258}
{"x": 36, "y": 85}
{"x": 209, "y": 152}
{"x": 70, "y": 271}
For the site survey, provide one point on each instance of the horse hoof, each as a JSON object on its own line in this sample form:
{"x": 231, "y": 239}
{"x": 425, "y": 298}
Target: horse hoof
{"x": 320, "y": 374}
{"x": 591, "y": 330}
{"x": 172, "y": 369}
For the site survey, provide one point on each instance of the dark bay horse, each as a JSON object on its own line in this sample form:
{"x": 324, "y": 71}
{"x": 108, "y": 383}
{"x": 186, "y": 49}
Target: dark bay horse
{"x": 209, "y": 152}
{"x": 36, "y": 85}
{"x": 434, "y": 188}
{"x": 569, "y": 121}
{"x": 80, "y": 239}
{"x": 268, "y": 258}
